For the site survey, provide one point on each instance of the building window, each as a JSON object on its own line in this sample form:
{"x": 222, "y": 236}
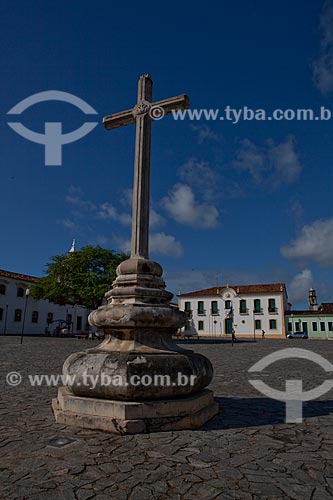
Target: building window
{"x": 257, "y": 306}
{"x": 297, "y": 326}
{"x": 188, "y": 307}
{"x": 49, "y": 318}
{"x": 290, "y": 327}
{"x": 314, "y": 326}
{"x": 322, "y": 326}
{"x": 330, "y": 326}
{"x": 200, "y": 325}
{"x": 242, "y": 307}
{"x": 2, "y": 289}
{"x": 17, "y": 315}
{"x": 271, "y": 305}
{"x": 214, "y": 307}
{"x": 20, "y": 292}
{"x": 1, "y": 313}
{"x": 188, "y": 326}
{"x": 227, "y": 304}
{"x": 272, "y": 324}
{"x": 34, "y": 317}
{"x": 258, "y": 324}
{"x": 201, "y": 309}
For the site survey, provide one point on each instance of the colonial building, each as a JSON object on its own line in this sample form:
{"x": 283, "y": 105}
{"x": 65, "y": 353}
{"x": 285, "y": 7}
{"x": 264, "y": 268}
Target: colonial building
{"x": 19, "y": 312}
{"x": 246, "y": 310}
{"x": 316, "y": 322}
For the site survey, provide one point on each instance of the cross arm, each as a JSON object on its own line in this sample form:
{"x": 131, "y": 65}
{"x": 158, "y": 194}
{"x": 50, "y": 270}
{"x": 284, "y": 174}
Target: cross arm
{"x": 119, "y": 119}
{"x": 173, "y": 103}
{"x": 128, "y": 117}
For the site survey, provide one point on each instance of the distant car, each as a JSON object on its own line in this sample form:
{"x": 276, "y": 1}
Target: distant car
{"x": 299, "y": 335}
{"x": 62, "y": 329}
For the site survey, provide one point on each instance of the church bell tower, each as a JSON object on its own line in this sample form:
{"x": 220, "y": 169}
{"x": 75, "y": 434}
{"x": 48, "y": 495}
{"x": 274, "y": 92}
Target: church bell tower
{"x": 313, "y": 303}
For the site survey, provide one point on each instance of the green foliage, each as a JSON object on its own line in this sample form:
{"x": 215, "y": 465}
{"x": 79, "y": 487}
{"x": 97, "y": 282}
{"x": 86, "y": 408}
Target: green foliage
{"x": 81, "y": 277}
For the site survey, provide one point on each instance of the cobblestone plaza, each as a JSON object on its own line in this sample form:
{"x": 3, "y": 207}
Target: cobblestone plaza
{"x": 246, "y": 452}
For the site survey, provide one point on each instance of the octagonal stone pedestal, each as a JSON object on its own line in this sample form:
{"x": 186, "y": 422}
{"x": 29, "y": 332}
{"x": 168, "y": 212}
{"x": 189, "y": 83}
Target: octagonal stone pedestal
{"x": 109, "y": 389}
{"x": 129, "y": 417}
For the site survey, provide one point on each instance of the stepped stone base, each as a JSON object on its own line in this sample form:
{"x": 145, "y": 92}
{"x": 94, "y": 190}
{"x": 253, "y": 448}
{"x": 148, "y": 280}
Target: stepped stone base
{"x": 124, "y": 417}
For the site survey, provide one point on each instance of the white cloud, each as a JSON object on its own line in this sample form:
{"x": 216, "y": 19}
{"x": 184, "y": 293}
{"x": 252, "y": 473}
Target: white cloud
{"x": 83, "y": 207}
{"x": 101, "y": 240}
{"x": 271, "y": 165}
{"x": 196, "y": 172}
{"x": 208, "y": 181}
{"x": 323, "y": 66}
{"x": 75, "y": 197}
{"x": 159, "y": 243}
{"x": 314, "y": 243}
{"x": 126, "y": 197}
{"x": 201, "y": 177}
{"x": 68, "y": 224}
{"x": 204, "y": 133}
{"x": 300, "y": 285}
{"x": 108, "y": 211}
{"x": 155, "y": 219}
{"x": 182, "y": 206}
{"x": 190, "y": 280}
{"x": 250, "y": 158}
{"x": 123, "y": 245}
{"x": 295, "y": 210}
{"x": 165, "y": 244}
{"x": 284, "y": 161}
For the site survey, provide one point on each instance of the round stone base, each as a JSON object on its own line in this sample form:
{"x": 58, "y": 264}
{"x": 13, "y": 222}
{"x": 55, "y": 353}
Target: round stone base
{"x": 126, "y": 417}
{"x": 131, "y": 376}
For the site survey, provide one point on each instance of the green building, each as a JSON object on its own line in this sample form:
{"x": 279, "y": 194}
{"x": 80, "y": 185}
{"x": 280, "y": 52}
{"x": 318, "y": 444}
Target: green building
{"x": 316, "y": 322}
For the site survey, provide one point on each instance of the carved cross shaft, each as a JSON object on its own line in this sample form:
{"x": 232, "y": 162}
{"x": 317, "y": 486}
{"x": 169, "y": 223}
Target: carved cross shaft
{"x": 141, "y": 115}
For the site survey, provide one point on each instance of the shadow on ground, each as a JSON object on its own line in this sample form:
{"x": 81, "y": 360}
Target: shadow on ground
{"x": 254, "y": 412}
{"x": 212, "y": 341}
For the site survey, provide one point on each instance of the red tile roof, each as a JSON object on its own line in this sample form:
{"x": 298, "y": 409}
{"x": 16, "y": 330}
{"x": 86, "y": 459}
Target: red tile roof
{"x": 240, "y": 289}
{"x": 327, "y": 307}
{"x": 16, "y": 276}
{"x": 306, "y": 313}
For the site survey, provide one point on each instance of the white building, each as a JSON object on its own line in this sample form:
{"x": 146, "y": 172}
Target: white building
{"x": 247, "y": 310}
{"x": 17, "y": 309}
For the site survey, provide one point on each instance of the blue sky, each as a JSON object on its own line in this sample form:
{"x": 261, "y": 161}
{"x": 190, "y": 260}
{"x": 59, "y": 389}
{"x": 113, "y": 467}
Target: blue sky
{"x": 232, "y": 203}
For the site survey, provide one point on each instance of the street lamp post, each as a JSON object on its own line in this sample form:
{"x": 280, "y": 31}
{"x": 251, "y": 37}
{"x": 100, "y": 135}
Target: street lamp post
{"x": 292, "y": 323}
{"x": 233, "y": 334}
{"x": 25, "y": 311}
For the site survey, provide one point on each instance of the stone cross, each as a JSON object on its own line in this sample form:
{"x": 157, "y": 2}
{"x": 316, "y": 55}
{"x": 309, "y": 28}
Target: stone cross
{"x": 142, "y": 114}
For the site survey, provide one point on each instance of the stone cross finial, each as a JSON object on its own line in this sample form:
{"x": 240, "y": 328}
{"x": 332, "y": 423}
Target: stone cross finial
{"x": 141, "y": 114}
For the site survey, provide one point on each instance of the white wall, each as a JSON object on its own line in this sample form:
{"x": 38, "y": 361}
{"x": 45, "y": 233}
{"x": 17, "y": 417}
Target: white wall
{"x": 10, "y": 301}
{"x": 243, "y": 324}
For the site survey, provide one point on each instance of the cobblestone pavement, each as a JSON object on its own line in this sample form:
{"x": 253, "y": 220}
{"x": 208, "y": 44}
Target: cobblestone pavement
{"x": 246, "y": 452}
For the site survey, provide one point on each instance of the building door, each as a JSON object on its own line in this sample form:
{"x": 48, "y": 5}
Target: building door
{"x": 79, "y": 323}
{"x": 305, "y": 327}
{"x": 228, "y": 325}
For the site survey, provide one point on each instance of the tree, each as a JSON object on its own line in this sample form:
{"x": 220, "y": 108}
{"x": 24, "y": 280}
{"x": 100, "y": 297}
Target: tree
{"x": 81, "y": 277}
